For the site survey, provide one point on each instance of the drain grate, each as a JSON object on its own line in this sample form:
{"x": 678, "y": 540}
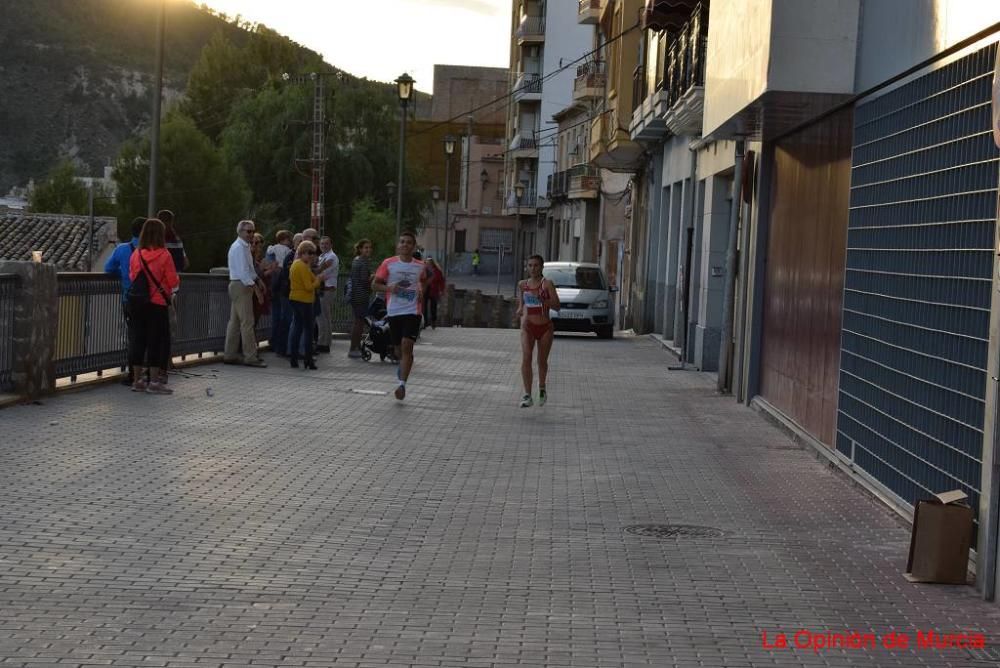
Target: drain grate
{"x": 674, "y": 531}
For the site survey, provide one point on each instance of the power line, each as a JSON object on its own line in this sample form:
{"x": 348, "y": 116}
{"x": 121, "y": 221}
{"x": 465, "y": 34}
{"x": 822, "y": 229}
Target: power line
{"x": 509, "y": 95}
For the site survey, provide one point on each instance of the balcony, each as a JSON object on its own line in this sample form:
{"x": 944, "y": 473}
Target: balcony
{"x": 589, "y": 12}
{"x": 531, "y": 31}
{"x": 528, "y": 87}
{"x": 523, "y": 148}
{"x": 527, "y": 206}
{"x": 676, "y": 106}
{"x": 611, "y": 145}
{"x": 591, "y": 80}
{"x": 669, "y": 15}
{"x": 579, "y": 182}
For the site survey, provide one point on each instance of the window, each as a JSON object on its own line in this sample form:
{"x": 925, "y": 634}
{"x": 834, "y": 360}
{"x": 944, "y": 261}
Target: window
{"x": 459, "y": 241}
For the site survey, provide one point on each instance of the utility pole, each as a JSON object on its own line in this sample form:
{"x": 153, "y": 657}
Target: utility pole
{"x": 154, "y": 140}
{"x": 317, "y": 163}
{"x": 318, "y": 207}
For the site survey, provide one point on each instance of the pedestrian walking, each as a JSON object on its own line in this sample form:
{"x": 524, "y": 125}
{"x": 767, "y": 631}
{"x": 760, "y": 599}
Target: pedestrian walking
{"x": 360, "y": 293}
{"x": 536, "y": 295}
{"x": 435, "y": 288}
{"x": 403, "y": 279}
{"x": 328, "y": 294}
{"x": 302, "y": 294}
{"x": 243, "y": 281}
{"x": 475, "y": 262}
{"x": 154, "y": 281}
{"x": 118, "y": 264}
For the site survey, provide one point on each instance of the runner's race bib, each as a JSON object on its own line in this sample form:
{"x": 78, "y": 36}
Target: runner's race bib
{"x": 532, "y": 300}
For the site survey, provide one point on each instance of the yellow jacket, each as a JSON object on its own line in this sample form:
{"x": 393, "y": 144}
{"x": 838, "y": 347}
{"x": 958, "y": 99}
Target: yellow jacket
{"x": 303, "y": 283}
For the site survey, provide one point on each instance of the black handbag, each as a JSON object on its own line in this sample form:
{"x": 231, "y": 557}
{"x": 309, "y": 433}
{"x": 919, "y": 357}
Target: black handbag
{"x": 138, "y": 293}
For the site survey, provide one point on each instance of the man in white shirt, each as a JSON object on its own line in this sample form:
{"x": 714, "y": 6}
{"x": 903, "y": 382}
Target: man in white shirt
{"x": 329, "y": 295}
{"x": 243, "y": 281}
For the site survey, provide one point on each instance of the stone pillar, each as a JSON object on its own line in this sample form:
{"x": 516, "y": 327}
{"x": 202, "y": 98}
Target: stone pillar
{"x": 36, "y": 318}
{"x": 444, "y": 308}
{"x": 470, "y": 309}
{"x": 711, "y": 283}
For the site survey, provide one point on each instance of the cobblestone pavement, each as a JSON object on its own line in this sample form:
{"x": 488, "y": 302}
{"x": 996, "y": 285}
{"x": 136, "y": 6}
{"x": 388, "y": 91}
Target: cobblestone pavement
{"x": 287, "y": 520}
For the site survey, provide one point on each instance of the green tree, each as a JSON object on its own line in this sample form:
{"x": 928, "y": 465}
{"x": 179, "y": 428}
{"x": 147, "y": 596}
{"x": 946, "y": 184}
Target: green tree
{"x": 195, "y": 180}
{"x": 370, "y": 222}
{"x": 62, "y": 193}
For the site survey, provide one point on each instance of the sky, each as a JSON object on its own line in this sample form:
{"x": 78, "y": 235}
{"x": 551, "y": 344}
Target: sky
{"x": 381, "y": 39}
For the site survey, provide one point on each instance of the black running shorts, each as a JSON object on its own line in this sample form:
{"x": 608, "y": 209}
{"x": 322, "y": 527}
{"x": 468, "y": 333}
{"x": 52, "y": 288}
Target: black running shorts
{"x": 404, "y": 327}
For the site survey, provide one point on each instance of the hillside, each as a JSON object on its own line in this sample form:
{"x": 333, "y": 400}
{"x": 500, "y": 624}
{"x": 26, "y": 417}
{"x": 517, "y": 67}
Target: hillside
{"x": 76, "y": 76}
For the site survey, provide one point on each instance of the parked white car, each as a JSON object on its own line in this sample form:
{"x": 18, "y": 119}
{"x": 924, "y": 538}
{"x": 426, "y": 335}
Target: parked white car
{"x": 585, "y": 296}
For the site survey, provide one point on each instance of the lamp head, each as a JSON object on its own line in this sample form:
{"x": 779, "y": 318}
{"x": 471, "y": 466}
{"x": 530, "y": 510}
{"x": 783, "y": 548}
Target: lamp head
{"x": 435, "y": 193}
{"x": 449, "y": 145}
{"x": 519, "y": 190}
{"x": 404, "y": 87}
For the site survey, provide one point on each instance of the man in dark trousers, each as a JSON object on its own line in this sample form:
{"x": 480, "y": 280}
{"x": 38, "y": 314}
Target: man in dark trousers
{"x": 118, "y": 264}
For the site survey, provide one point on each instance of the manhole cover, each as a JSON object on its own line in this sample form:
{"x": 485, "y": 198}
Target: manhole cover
{"x": 674, "y": 531}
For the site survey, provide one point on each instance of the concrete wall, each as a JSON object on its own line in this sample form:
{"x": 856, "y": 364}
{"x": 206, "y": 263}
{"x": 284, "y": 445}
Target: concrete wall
{"x": 897, "y": 34}
{"x": 458, "y": 88}
{"x": 776, "y": 45}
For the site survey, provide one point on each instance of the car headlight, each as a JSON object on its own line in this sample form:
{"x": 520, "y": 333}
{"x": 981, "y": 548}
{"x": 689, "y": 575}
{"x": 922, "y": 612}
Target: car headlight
{"x": 600, "y": 303}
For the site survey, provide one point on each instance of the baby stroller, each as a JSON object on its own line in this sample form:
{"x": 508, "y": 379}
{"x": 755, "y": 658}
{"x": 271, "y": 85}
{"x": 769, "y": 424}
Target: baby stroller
{"x": 376, "y": 338}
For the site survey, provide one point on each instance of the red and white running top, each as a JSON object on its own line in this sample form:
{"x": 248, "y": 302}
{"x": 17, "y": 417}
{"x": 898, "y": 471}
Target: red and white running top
{"x": 409, "y": 300}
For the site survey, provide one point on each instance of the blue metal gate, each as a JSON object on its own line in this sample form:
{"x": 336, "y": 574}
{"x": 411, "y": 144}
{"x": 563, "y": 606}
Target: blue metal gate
{"x": 917, "y": 284}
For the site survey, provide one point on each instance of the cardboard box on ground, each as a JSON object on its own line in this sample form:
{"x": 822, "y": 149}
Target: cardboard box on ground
{"x": 940, "y": 539}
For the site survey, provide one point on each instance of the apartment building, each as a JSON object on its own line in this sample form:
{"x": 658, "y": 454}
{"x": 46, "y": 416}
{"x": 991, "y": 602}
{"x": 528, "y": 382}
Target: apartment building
{"x": 545, "y": 37}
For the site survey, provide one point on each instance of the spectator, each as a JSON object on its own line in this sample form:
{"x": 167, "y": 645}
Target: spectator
{"x": 328, "y": 296}
{"x": 150, "y": 326}
{"x": 262, "y": 297}
{"x": 118, "y": 264}
{"x": 360, "y": 284}
{"x": 475, "y": 262}
{"x": 279, "y": 290}
{"x": 243, "y": 282}
{"x": 435, "y": 288}
{"x": 302, "y": 293}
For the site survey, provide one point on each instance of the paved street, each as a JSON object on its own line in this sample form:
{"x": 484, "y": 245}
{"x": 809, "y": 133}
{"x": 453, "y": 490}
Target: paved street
{"x": 280, "y": 518}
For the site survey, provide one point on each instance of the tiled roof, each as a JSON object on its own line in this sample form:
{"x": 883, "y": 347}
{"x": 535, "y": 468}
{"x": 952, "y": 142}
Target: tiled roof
{"x": 62, "y": 239}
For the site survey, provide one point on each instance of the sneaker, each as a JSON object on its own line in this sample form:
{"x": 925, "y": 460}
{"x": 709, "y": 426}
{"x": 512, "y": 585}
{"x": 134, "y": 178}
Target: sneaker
{"x": 259, "y": 363}
{"x": 354, "y": 354}
{"x": 232, "y": 360}
{"x": 400, "y": 392}
{"x": 158, "y": 388}
{"x": 526, "y": 401}
{"x": 542, "y": 397}
{"x": 139, "y": 385}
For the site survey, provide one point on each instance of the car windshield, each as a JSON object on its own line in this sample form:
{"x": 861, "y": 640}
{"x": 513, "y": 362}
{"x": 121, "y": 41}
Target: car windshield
{"x": 583, "y": 278}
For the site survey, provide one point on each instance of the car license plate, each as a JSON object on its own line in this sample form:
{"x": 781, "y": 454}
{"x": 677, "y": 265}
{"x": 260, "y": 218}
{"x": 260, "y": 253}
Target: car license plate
{"x": 572, "y": 315}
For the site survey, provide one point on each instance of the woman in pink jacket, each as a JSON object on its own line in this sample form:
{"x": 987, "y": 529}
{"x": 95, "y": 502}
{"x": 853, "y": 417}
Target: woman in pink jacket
{"x": 150, "y": 321}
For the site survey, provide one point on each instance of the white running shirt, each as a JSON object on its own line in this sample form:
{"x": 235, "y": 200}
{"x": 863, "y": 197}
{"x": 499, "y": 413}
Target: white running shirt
{"x": 409, "y": 300}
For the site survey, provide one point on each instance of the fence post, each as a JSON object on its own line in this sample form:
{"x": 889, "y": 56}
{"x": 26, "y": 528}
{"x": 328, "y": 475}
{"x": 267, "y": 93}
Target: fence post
{"x": 36, "y": 317}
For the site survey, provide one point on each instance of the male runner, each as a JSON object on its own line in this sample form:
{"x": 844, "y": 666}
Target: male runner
{"x": 403, "y": 279}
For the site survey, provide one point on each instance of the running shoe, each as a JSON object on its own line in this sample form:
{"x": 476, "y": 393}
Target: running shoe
{"x": 542, "y": 397}
{"x": 526, "y": 401}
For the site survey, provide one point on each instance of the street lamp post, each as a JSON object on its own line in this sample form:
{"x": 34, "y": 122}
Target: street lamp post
{"x": 154, "y": 140}
{"x": 404, "y": 86}
{"x": 449, "y": 149}
{"x": 436, "y": 195}
{"x": 391, "y": 189}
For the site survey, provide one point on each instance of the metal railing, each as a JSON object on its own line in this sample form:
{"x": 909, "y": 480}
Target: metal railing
{"x": 522, "y": 143}
{"x": 527, "y": 83}
{"x": 578, "y": 177}
{"x": 684, "y": 64}
{"x": 529, "y": 200}
{"x": 588, "y": 5}
{"x": 91, "y": 333}
{"x": 592, "y": 74}
{"x": 9, "y": 284}
{"x": 639, "y": 87}
{"x": 531, "y": 26}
